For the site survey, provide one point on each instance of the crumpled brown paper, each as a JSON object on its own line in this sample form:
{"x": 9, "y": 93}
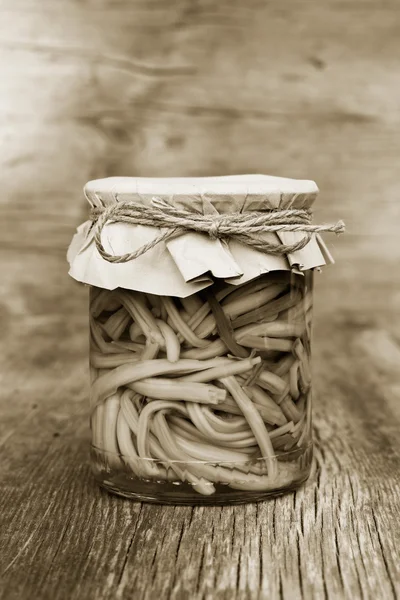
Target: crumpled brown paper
{"x": 187, "y": 264}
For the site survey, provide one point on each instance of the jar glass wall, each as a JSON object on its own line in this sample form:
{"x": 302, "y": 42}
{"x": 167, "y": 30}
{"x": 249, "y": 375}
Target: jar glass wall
{"x": 204, "y": 399}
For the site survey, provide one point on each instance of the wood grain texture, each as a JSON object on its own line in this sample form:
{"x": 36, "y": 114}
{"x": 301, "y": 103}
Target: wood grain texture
{"x": 192, "y": 87}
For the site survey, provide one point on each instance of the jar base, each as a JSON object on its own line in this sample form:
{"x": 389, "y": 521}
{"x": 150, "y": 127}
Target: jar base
{"x": 187, "y": 497}
{"x": 121, "y": 482}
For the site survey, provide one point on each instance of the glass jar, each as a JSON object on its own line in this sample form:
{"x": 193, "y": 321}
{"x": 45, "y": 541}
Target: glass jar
{"x": 200, "y": 320}
{"x": 204, "y": 399}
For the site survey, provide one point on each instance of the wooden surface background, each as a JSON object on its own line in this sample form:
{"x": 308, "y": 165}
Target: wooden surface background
{"x": 93, "y": 88}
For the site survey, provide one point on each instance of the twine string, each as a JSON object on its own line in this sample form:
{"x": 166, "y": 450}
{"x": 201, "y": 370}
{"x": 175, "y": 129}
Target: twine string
{"x": 247, "y": 228}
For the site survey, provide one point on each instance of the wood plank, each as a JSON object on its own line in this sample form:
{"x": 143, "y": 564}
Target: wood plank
{"x": 305, "y": 89}
{"x": 228, "y": 540}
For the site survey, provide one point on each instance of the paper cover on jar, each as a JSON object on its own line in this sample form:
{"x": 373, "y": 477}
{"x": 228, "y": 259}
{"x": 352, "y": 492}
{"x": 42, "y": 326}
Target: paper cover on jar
{"x": 187, "y": 264}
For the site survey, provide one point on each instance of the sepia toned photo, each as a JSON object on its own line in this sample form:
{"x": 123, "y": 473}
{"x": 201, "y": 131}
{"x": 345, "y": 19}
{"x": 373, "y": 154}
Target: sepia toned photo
{"x": 200, "y": 300}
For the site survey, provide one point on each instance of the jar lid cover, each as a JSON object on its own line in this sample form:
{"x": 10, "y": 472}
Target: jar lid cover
{"x": 186, "y": 264}
{"x": 228, "y": 194}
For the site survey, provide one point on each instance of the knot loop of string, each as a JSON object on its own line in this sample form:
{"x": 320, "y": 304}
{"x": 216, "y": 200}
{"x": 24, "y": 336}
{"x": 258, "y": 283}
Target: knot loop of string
{"x": 247, "y": 228}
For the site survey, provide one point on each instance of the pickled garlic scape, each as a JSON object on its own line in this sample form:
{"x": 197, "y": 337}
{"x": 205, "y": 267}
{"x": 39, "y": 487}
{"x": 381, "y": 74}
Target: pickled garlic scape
{"x": 193, "y": 391}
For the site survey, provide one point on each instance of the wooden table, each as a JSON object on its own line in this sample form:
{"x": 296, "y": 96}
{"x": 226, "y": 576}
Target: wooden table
{"x": 298, "y": 88}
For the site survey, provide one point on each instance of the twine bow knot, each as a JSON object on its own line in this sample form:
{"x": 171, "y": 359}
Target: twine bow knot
{"x": 248, "y": 228}
{"x": 214, "y": 231}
